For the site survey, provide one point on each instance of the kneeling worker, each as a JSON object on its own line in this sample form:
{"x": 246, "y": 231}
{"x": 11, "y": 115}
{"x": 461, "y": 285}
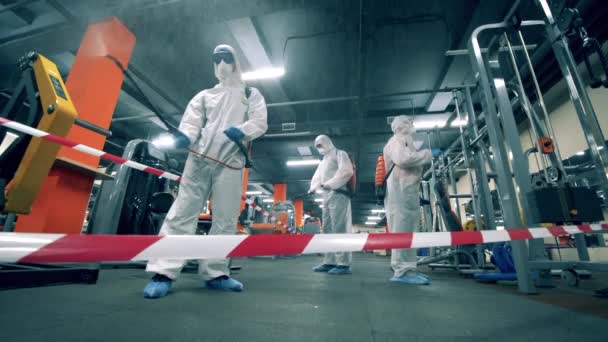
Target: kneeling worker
{"x": 331, "y": 176}
{"x": 402, "y": 201}
{"x": 213, "y": 119}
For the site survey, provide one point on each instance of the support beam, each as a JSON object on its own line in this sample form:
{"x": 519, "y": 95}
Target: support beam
{"x": 481, "y": 13}
{"x": 18, "y": 8}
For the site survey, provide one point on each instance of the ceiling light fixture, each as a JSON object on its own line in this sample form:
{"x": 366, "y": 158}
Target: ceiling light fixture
{"x": 318, "y": 200}
{"x": 369, "y": 223}
{"x": 263, "y": 74}
{"x": 254, "y": 192}
{"x": 377, "y": 211}
{"x": 374, "y": 218}
{"x": 303, "y": 162}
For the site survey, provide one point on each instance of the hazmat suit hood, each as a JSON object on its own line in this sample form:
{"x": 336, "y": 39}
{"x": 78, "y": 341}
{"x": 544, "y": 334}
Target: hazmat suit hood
{"x": 324, "y": 144}
{"x": 403, "y": 125}
{"x": 228, "y": 75}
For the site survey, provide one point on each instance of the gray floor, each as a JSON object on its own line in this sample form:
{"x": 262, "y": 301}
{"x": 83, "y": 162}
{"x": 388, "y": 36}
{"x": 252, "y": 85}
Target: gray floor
{"x": 285, "y": 301}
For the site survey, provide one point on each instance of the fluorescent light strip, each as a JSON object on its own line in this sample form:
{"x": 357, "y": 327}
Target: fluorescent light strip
{"x": 303, "y": 162}
{"x": 371, "y": 223}
{"x": 318, "y": 200}
{"x": 377, "y": 211}
{"x": 459, "y": 123}
{"x": 263, "y": 74}
{"x": 254, "y": 192}
{"x": 374, "y": 218}
{"x": 268, "y": 200}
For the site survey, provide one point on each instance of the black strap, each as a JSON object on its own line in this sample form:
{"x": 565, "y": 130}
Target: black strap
{"x": 388, "y": 174}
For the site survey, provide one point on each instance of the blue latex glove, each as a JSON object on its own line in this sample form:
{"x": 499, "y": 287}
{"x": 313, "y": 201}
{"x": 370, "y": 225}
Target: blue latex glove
{"x": 181, "y": 140}
{"x": 234, "y": 133}
{"x": 436, "y": 152}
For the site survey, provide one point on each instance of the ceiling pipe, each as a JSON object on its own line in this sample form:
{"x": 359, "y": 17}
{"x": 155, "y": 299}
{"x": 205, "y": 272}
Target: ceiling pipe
{"x": 313, "y": 101}
{"x": 16, "y": 5}
{"x": 367, "y": 97}
{"x": 465, "y": 52}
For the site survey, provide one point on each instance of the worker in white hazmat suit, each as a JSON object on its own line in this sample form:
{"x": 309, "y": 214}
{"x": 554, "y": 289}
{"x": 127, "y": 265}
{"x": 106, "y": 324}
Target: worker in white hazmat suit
{"x": 331, "y": 176}
{"x": 402, "y": 201}
{"x": 214, "y": 168}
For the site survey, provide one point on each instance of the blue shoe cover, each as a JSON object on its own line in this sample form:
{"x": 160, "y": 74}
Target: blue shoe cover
{"x": 225, "y": 283}
{"x": 157, "y": 289}
{"x": 413, "y": 279}
{"x": 423, "y": 276}
{"x": 324, "y": 268}
{"x": 340, "y": 270}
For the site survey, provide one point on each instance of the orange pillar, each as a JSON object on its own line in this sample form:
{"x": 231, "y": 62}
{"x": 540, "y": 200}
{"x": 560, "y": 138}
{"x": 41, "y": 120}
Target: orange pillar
{"x": 94, "y": 84}
{"x": 280, "y": 192}
{"x": 299, "y": 205}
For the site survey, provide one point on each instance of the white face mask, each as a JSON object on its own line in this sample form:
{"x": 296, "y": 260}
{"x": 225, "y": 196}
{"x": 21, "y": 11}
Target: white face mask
{"x": 322, "y": 150}
{"x": 224, "y": 70}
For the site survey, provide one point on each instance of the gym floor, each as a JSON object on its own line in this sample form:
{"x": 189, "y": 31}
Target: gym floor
{"x": 284, "y": 300}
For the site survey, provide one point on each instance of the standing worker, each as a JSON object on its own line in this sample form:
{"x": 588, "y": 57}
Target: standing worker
{"x": 331, "y": 176}
{"x": 402, "y": 201}
{"x": 214, "y": 119}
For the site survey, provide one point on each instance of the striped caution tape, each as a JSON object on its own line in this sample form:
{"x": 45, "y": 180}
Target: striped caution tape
{"x": 24, "y": 247}
{"x": 49, "y": 248}
{"x": 85, "y": 149}
{"x": 114, "y": 159}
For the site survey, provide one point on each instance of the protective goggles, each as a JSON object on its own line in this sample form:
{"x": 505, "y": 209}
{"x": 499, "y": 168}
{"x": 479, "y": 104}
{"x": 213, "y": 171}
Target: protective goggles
{"x": 227, "y": 57}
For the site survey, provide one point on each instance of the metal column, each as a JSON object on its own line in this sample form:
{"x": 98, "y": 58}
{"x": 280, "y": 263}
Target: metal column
{"x": 483, "y": 188}
{"x": 454, "y": 188}
{"x": 474, "y": 193}
{"x": 508, "y": 196}
{"x": 9, "y": 222}
{"x": 427, "y": 209}
{"x": 578, "y": 95}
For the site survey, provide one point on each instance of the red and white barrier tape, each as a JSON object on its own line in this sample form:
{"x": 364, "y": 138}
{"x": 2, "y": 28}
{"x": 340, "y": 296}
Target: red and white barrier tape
{"x": 85, "y": 149}
{"x": 24, "y": 247}
{"x": 49, "y": 248}
{"x": 110, "y": 157}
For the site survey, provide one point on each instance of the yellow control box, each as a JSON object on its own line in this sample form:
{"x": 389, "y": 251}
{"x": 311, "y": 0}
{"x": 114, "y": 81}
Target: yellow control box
{"x": 59, "y": 114}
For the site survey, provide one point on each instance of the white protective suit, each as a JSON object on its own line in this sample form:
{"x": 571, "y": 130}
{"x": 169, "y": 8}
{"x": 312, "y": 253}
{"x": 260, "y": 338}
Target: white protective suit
{"x": 402, "y": 201}
{"x": 334, "y": 171}
{"x": 208, "y": 114}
